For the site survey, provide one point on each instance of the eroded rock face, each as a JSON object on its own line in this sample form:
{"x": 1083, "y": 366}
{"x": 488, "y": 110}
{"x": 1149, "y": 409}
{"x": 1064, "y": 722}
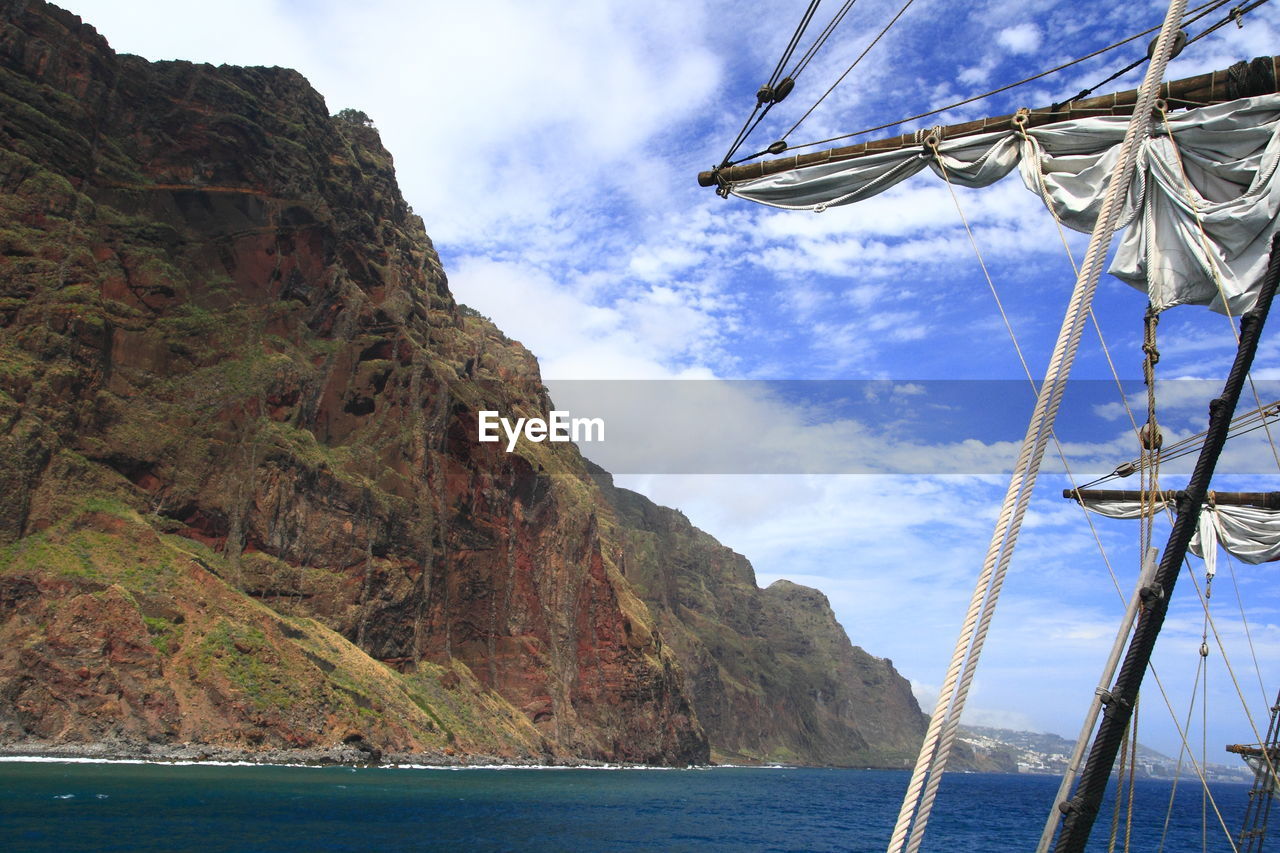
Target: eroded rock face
{"x": 773, "y": 675}
{"x": 241, "y": 500}
{"x": 217, "y": 311}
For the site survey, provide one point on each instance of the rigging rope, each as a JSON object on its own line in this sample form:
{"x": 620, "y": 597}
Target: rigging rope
{"x": 1202, "y": 10}
{"x": 1151, "y": 357}
{"x": 1222, "y": 650}
{"x": 1133, "y": 769}
{"x": 916, "y": 805}
{"x": 821, "y": 40}
{"x": 1091, "y": 717}
{"x": 1115, "y": 806}
{"x": 1244, "y": 622}
{"x": 795, "y": 41}
{"x": 1240, "y": 425}
{"x": 1204, "y": 714}
{"x": 1088, "y": 516}
{"x": 769, "y": 92}
{"x": 853, "y": 65}
{"x": 1182, "y": 751}
{"x": 1064, "y": 790}
{"x": 1213, "y": 6}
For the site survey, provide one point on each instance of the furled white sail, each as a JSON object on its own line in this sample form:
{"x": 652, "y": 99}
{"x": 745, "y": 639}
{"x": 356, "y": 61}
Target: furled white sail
{"x": 1248, "y": 533}
{"x": 1229, "y": 152}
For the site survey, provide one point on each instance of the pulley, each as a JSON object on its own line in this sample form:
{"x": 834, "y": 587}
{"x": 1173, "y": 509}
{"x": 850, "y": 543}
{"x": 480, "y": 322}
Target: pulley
{"x": 1179, "y": 42}
{"x": 1150, "y": 436}
{"x": 774, "y": 94}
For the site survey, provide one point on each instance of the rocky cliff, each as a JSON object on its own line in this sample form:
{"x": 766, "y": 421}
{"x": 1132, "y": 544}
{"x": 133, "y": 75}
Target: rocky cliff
{"x": 241, "y": 500}
{"x": 772, "y": 673}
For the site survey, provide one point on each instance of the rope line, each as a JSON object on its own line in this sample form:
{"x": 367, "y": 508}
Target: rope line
{"x": 1241, "y": 425}
{"x": 1182, "y": 751}
{"x": 1226, "y": 660}
{"x": 1115, "y": 805}
{"x": 821, "y": 40}
{"x": 762, "y": 107}
{"x": 1210, "y": 6}
{"x": 1202, "y": 11}
{"x": 1088, "y": 516}
{"x": 840, "y": 79}
{"x": 1133, "y": 770}
{"x": 1064, "y": 790}
{"x": 795, "y": 41}
{"x": 1244, "y": 621}
{"x": 934, "y": 752}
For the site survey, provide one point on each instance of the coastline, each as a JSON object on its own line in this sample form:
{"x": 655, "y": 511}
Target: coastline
{"x": 343, "y": 755}
{"x": 356, "y": 754}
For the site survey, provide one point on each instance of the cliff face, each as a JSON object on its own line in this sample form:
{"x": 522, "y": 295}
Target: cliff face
{"x": 773, "y": 675}
{"x": 241, "y": 499}
{"x": 219, "y": 316}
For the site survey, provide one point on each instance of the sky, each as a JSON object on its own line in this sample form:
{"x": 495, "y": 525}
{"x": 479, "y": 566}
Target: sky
{"x": 551, "y": 149}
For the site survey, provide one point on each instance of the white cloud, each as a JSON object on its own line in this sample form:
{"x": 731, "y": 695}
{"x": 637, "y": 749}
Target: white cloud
{"x": 1021, "y": 38}
{"x": 637, "y": 337}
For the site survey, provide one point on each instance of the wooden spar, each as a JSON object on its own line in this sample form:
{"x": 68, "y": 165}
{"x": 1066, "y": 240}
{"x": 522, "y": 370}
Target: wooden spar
{"x": 1212, "y": 88}
{"x": 1265, "y": 500}
{"x": 1247, "y": 749}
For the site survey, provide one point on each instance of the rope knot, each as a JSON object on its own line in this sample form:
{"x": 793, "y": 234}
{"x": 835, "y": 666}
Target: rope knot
{"x": 1020, "y": 121}
{"x": 722, "y": 183}
{"x": 929, "y": 139}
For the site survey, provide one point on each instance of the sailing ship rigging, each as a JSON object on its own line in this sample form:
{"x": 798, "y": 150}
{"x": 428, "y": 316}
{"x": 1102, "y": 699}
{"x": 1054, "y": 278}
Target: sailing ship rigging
{"x": 1186, "y": 171}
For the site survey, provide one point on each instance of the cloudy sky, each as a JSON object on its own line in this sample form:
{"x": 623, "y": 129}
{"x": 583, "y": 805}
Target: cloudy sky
{"x": 552, "y": 148}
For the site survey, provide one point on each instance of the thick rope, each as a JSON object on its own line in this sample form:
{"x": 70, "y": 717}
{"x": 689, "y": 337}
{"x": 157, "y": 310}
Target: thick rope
{"x": 941, "y": 732}
{"x": 1069, "y": 776}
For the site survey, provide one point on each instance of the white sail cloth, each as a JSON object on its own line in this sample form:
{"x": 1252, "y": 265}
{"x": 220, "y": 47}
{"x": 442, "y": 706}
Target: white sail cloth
{"x": 1248, "y": 533}
{"x": 1229, "y": 151}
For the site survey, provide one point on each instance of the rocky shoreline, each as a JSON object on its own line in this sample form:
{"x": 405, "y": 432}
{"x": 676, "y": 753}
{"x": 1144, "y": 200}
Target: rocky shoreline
{"x": 350, "y": 755}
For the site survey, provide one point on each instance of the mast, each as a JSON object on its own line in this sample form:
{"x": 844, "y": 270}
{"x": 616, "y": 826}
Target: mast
{"x": 1081, "y": 810}
{"x": 1242, "y": 80}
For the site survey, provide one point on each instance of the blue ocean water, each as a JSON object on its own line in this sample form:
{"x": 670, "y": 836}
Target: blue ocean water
{"x": 97, "y": 806}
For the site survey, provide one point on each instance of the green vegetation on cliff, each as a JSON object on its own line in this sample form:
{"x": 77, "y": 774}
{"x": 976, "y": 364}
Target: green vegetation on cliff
{"x": 241, "y": 499}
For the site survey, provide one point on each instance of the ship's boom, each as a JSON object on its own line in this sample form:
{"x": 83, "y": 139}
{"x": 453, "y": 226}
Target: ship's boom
{"x": 1242, "y": 80}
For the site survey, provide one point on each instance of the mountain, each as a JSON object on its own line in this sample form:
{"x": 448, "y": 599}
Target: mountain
{"x": 772, "y": 673}
{"x": 242, "y": 503}
{"x": 1011, "y": 751}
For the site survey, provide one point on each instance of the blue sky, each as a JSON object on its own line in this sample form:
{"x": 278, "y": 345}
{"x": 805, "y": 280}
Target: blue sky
{"x": 552, "y": 148}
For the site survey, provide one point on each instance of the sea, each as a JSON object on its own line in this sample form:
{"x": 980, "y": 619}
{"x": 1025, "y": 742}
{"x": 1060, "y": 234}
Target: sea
{"x": 102, "y": 806}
